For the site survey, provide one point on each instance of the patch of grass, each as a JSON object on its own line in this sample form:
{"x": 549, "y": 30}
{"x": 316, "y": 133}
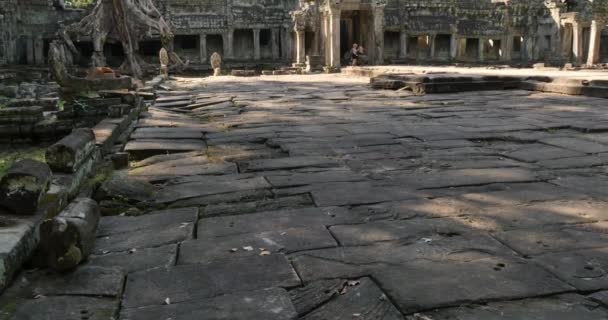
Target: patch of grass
{"x": 9, "y": 157}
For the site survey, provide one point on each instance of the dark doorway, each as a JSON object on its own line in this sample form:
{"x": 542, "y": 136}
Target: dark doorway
{"x": 215, "y": 43}
{"x": 350, "y": 31}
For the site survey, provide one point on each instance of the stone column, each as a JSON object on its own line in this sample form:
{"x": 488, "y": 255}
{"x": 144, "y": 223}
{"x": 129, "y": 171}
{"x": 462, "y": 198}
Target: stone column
{"x": 506, "y": 46}
{"x": 594, "y": 42}
{"x": 334, "y": 38}
{"x": 300, "y": 46}
{"x": 39, "y": 50}
{"x": 256, "y": 44}
{"x": 274, "y": 43}
{"x": 567, "y": 39}
{"x": 378, "y": 15}
{"x": 228, "y": 43}
{"x": 577, "y": 43}
{"x": 202, "y": 48}
{"x": 482, "y": 45}
{"x": 453, "y": 47}
{"x": 29, "y": 50}
{"x": 432, "y": 38}
{"x": 286, "y": 44}
{"x": 403, "y": 44}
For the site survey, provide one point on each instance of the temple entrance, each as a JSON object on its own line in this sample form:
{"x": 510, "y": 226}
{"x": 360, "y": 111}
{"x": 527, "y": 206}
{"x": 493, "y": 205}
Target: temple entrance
{"x": 353, "y": 24}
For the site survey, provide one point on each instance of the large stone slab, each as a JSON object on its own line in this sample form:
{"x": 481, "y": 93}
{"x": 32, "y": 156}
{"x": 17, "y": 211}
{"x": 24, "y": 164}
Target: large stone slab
{"x": 244, "y": 207}
{"x": 555, "y": 239}
{"x": 576, "y": 144}
{"x": 85, "y": 281}
{"x": 67, "y": 308}
{"x": 267, "y": 304}
{"x": 199, "y": 165}
{"x": 154, "y": 220}
{"x": 465, "y": 177}
{"x": 198, "y": 281}
{"x": 561, "y": 307}
{"x": 278, "y": 221}
{"x": 299, "y": 179}
{"x": 142, "y": 148}
{"x": 355, "y": 193}
{"x": 362, "y": 299}
{"x": 478, "y": 280}
{"x": 584, "y": 269}
{"x": 137, "y": 260}
{"x": 537, "y": 152}
{"x": 288, "y": 163}
{"x": 167, "y": 133}
{"x": 285, "y": 241}
{"x": 211, "y": 186}
{"x": 314, "y": 294}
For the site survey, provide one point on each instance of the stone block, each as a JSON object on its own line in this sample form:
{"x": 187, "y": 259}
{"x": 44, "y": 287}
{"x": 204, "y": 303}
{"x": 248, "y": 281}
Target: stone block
{"x": 120, "y": 160}
{"x": 71, "y": 152}
{"x": 21, "y": 115}
{"x": 23, "y": 186}
{"x": 243, "y": 73}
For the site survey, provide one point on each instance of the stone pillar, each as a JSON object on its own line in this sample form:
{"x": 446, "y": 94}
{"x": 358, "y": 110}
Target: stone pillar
{"x": 453, "y": 47}
{"x": 506, "y": 48}
{"x": 403, "y": 44}
{"x": 482, "y": 45}
{"x": 286, "y": 44}
{"x": 594, "y": 42}
{"x": 577, "y": 43}
{"x": 567, "y": 39}
{"x": 432, "y": 38}
{"x": 274, "y": 42}
{"x": 228, "y": 44}
{"x": 300, "y": 46}
{"x": 378, "y": 15}
{"x": 39, "y": 50}
{"x": 256, "y": 44}
{"x": 202, "y": 55}
{"x": 334, "y": 38}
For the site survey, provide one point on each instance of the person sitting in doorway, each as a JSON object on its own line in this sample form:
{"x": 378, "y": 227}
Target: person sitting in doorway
{"x": 354, "y": 55}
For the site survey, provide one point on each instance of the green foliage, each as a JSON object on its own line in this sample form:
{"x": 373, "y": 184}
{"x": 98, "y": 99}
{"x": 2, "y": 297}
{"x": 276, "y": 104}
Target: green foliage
{"x": 80, "y": 3}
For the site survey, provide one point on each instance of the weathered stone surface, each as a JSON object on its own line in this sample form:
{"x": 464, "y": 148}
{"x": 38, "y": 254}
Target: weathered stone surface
{"x": 314, "y": 294}
{"x": 299, "y": 179}
{"x": 575, "y": 144}
{"x": 277, "y": 221}
{"x": 283, "y": 241}
{"x": 200, "y": 165}
{"x": 137, "y": 260}
{"x": 120, "y": 186}
{"x": 267, "y": 304}
{"x": 228, "y": 209}
{"x": 288, "y": 163}
{"x": 199, "y": 281}
{"x": 355, "y": 193}
{"x": 18, "y": 240}
{"x": 142, "y": 148}
{"x": 466, "y": 177}
{"x": 362, "y": 299}
{"x": 583, "y": 269}
{"x": 167, "y": 133}
{"x": 211, "y": 186}
{"x": 537, "y": 152}
{"x": 561, "y": 307}
{"x": 23, "y": 186}
{"x": 71, "y": 152}
{"x": 85, "y": 281}
{"x": 67, "y": 308}
{"x": 155, "y": 219}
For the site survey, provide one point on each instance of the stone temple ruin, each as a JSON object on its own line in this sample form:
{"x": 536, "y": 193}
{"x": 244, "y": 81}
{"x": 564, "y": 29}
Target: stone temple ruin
{"x": 454, "y": 166}
{"x": 279, "y": 32}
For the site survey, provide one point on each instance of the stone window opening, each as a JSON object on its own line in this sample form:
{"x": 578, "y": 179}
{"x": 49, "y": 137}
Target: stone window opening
{"x": 392, "y": 40}
{"x": 443, "y": 44}
{"x": 266, "y": 43}
{"x": 186, "y": 42}
{"x": 471, "y": 51}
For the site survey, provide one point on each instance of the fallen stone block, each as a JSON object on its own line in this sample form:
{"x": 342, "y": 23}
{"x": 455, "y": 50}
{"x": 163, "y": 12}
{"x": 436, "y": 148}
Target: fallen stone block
{"x": 70, "y": 152}
{"x": 69, "y": 238}
{"x": 23, "y": 186}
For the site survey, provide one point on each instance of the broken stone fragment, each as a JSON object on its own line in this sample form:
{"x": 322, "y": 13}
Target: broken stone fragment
{"x": 23, "y": 186}
{"x": 70, "y": 152}
{"x": 68, "y": 239}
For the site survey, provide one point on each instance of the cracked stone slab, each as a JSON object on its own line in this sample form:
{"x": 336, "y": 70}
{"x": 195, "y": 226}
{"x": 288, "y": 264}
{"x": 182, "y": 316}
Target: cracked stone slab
{"x": 587, "y": 270}
{"x": 284, "y": 241}
{"x": 67, "y": 308}
{"x": 314, "y": 294}
{"x": 553, "y": 239}
{"x": 465, "y": 281}
{"x": 405, "y": 230}
{"x": 166, "y": 133}
{"x": 267, "y": 304}
{"x": 228, "y": 209}
{"x": 198, "y": 165}
{"x": 466, "y": 177}
{"x": 575, "y": 144}
{"x": 139, "y": 149}
{"x": 137, "y": 260}
{"x": 537, "y": 152}
{"x": 362, "y": 300}
{"x": 547, "y": 213}
{"x": 211, "y": 186}
{"x": 149, "y": 238}
{"x": 299, "y": 179}
{"x": 517, "y": 194}
{"x": 154, "y": 220}
{"x": 355, "y": 193}
{"x": 277, "y": 221}
{"x": 358, "y": 261}
{"x": 198, "y": 281}
{"x": 561, "y": 307}
{"x": 85, "y": 280}
{"x": 288, "y": 163}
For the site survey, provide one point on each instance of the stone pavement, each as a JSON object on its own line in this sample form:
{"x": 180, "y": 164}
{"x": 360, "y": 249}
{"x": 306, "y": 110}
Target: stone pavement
{"x": 316, "y": 197}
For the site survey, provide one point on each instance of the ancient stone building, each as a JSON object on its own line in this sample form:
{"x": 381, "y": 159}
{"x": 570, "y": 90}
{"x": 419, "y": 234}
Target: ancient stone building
{"x": 286, "y": 31}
